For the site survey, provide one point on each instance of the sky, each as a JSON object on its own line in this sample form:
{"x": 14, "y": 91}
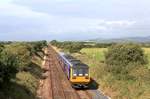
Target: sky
{"x": 73, "y": 19}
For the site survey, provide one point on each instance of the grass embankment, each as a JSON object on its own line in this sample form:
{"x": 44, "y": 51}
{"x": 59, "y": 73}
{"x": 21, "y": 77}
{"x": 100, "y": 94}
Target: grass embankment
{"x": 136, "y": 88}
{"x": 25, "y": 84}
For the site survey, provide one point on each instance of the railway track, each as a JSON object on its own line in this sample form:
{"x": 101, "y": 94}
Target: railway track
{"x": 56, "y": 85}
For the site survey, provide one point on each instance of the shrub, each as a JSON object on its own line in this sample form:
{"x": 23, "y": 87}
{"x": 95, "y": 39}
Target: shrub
{"x": 35, "y": 47}
{"x": 8, "y": 66}
{"x": 120, "y": 58}
{"x": 54, "y": 42}
{"x": 22, "y": 52}
{"x": 1, "y": 47}
{"x": 72, "y": 47}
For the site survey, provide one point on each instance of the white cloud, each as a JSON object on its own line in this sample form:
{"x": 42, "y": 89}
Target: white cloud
{"x": 64, "y": 19}
{"x": 120, "y": 23}
{"x": 5, "y": 1}
{"x": 33, "y": 21}
{"x": 10, "y": 9}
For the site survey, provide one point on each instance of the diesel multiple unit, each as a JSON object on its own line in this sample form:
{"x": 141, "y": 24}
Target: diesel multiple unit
{"x": 76, "y": 71}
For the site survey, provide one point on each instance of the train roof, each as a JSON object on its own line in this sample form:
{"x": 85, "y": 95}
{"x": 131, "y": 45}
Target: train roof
{"x": 75, "y": 63}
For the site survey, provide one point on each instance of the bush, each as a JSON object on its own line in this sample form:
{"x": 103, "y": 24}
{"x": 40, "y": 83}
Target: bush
{"x": 22, "y": 52}
{"x": 1, "y": 47}
{"x": 72, "y": 47}
{"x": 8, "y": 66}
{"x": 35, "y": 47}
{"x": 120, "y": 58}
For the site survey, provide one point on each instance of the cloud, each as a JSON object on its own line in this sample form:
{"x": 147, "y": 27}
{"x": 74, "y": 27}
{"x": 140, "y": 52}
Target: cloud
{"x": 11, "y": 9}
{"x": 69, "y": 19}
{"x": 122, "y": 23}
{"x": 16, "y": 19}
{"x": 5, "y": 1}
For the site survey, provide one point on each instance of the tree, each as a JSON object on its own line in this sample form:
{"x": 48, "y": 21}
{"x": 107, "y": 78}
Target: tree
{"x": 35, "y": 47}
{"x": 1, "y": 47}
{"x": 54, "y": 42}
{"x": 9, "y": 64}
{"x": 75, "y": 47}
{"x": 22, "y": 53}
{"x": 120, "y": 58}
{"x": 72, "y": 47}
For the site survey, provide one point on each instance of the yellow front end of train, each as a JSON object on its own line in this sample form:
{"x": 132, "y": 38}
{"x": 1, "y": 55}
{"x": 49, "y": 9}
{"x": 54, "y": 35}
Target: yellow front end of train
{"x": 80, "y": 77}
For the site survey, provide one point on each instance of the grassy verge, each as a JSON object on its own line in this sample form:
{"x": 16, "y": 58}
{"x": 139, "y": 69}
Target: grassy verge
{"x": 136, "y": 88}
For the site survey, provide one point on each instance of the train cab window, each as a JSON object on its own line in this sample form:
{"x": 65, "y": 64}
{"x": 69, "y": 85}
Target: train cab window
{"x": 75, "y": 72}
{"x": 85, "y": 71}
{"x": 80, "y": 72}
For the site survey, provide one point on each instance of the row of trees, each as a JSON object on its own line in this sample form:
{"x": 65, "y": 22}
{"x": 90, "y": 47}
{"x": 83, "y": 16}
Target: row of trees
{"x": 16, "y": 56}
{"x": 69, "y": 46}
{"x": 145, "y": 45}
{"x": 74, "y": 47}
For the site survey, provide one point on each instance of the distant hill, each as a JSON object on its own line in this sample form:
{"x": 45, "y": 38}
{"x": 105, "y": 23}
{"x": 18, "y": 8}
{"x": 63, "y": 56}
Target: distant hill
{"x": 129, "y": 39}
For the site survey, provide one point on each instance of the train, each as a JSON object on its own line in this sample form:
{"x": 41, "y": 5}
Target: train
{"x": 76, "y": 71}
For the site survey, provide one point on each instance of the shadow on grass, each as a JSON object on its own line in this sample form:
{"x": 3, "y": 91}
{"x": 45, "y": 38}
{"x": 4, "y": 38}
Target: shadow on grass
{"x": 93, "y": 85}
{"x": 35, "y": 70}
{"x": 40, "y": 55}
{"x": 13, "y": 90}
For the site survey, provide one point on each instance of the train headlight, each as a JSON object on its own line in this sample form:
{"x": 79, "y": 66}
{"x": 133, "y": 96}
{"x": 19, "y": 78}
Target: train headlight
{"x": 86, "y": 74}
{"x": 80, "y": 74}
{"x": 74, "y": 76}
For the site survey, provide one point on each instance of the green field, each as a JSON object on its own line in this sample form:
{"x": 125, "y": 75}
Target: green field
{"x": 109, "y": 83}
{"x": 95, "y": 53}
